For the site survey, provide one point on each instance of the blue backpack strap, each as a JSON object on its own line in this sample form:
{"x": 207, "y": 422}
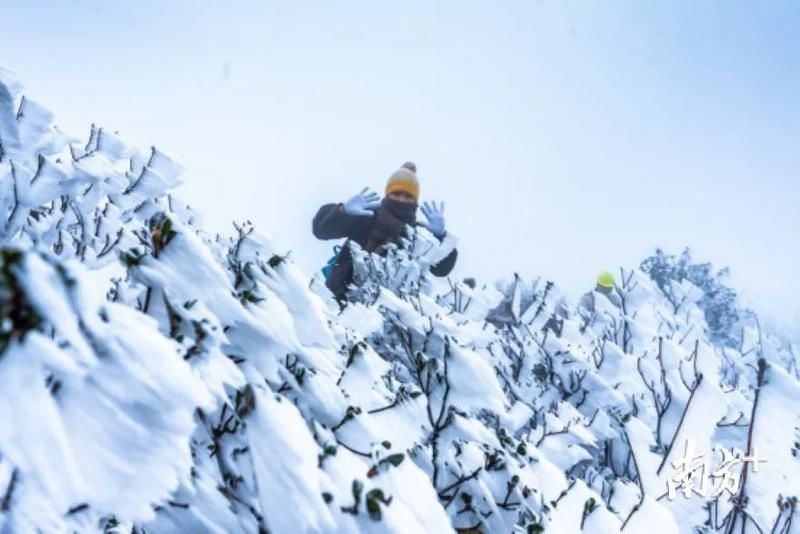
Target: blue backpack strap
{"x": 327, "y": 269}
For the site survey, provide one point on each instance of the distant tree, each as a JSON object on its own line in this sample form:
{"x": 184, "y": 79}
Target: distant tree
{"x": 719, "y": 301}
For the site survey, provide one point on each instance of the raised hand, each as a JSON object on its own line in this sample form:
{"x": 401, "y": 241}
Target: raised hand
{"x": 364, "y": 203}
{"x": 435, "y": 216}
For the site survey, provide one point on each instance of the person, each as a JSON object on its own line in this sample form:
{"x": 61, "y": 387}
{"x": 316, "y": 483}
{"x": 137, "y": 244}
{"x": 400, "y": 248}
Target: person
{"x": 373, "y": 222}
{"x": 605, "y": 286}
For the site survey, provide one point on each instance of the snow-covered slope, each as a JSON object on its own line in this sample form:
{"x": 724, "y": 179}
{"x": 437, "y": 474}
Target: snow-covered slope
{"x": 156, "y": 379}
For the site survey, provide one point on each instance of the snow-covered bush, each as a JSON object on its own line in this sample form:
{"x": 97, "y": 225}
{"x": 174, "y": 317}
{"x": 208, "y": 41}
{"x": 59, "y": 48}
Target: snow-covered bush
{"x": 154, "y": 378}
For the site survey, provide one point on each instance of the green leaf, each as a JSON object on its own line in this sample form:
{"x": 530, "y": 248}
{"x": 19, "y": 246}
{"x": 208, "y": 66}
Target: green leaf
{"x": 358, "y": 488}
{"x": 131, "y": 258}
{"x": 375, "y": 498}
{"x": 166, "y": 229}
{"x": 395, "y": 459}
{"x": 374, "y": 509}
{"x": 276, "y": 260}
{"x": 589, "y": 506}
{"x": 377, "y": 494}
{"x": 245, "y": 401}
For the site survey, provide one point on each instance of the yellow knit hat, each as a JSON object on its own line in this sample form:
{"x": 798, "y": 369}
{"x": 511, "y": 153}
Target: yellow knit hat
{"x": 606, "y": 279}
{"x": 405, "y": 180}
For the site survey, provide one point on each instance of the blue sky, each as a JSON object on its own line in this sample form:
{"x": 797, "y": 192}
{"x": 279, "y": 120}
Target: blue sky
{"x": 564, "y": 137}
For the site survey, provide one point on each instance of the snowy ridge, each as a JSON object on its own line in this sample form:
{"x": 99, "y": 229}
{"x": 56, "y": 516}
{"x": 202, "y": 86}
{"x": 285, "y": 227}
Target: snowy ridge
{"x": 156, "y": 379}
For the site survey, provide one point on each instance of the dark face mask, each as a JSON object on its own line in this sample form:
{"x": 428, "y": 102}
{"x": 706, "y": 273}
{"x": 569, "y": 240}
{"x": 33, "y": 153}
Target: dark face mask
{"x": 405, "y": 211}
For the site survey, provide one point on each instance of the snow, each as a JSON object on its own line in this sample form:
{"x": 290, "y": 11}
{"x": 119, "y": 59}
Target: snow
{"x": 776, "y": 427}
{"x": 153, "y": 377}
{"x": 287, "y": 463}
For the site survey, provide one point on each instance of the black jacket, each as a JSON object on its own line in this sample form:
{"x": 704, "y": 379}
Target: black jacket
{"x": 332, "y": 222}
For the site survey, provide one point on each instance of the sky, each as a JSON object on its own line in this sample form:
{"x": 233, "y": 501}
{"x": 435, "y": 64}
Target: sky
{"x": 565, "y": 138}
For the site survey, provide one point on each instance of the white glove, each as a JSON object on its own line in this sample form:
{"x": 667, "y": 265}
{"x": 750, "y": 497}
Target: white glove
{"x": 365, "y": 203}
{"x": 435, "y": 216}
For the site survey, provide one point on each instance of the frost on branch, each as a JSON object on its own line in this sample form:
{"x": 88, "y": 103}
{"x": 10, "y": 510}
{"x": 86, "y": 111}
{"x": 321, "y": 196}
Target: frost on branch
{"x": 158, "y": 379}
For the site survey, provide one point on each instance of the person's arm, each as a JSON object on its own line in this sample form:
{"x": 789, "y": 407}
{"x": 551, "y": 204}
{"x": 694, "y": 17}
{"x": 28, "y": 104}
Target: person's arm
{"x": 444, "y": 267}
{"x": 435, "y": 223}
{"x": 332, "y": 222}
